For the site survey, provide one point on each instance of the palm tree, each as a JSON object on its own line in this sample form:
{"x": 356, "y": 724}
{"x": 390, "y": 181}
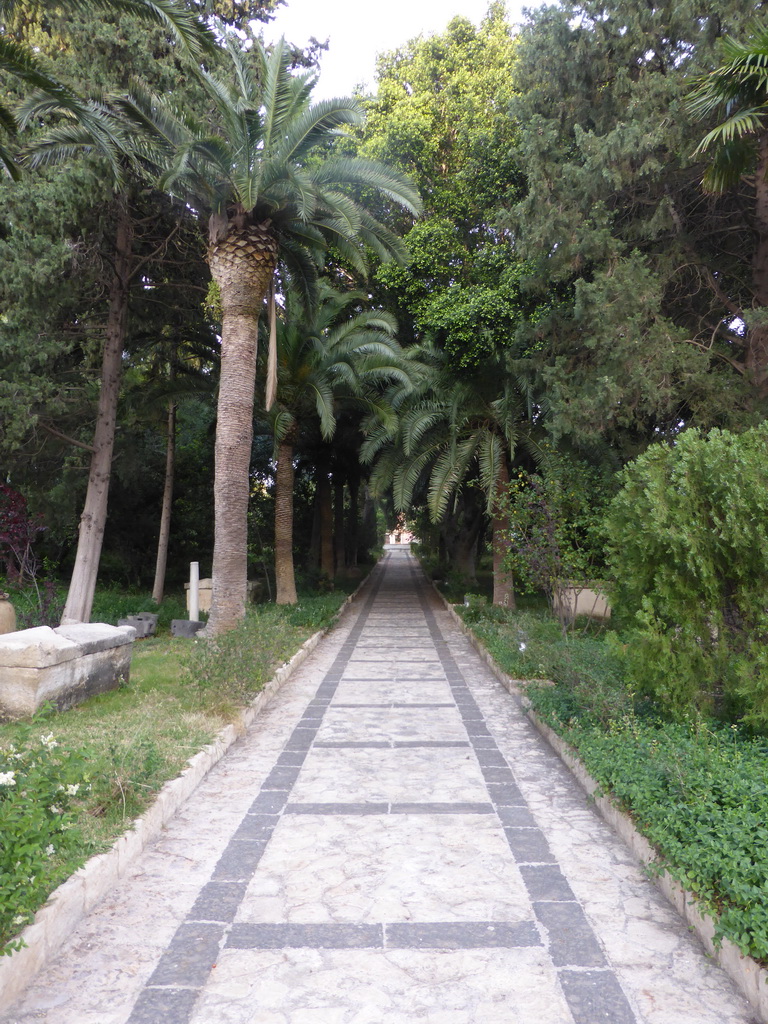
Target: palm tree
{"x": 449, "y": 431}
{"x": 273, "y": 195}
{"x": 738, "y": 91}
{"x": 332, "y": 356}
{"x": 21, "y": 62}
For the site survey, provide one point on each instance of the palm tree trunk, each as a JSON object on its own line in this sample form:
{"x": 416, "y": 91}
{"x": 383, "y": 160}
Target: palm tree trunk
{"x": 165, "y": 514}
{"x": 340, "y": 560}
{"x": 314, "y": 541}
{"x": 242, "y": 265}
{"x": 353, "y": 521}
{"x": 82, "y": 586}
{"x": 325, "y": 508}
{"x": 284, "y": 575}
{"x": 368, "y": 525}
{"x": 503, "y": 588}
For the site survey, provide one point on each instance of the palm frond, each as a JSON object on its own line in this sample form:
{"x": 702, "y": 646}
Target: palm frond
{"x": 8, "y": 164}
{"x": 739, "y": 124}
{"x": 22, "y": 63}
{"x": 448, "y": 472}
{"x": 730, "y": 163}
{"x": 89, "y": 127}
{"x": 315, "y": 125}
{"x": 491, "y": 453}
{"x": 371, "y": 174}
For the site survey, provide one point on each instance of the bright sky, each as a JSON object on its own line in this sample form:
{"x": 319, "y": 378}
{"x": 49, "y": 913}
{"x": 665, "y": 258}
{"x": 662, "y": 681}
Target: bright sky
{"x": 357, "y": 30}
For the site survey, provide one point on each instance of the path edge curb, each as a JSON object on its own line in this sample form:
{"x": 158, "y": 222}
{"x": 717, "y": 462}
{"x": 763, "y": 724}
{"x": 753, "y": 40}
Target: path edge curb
{"x": 83, "y": 890}
{"x": 747, "y": 975}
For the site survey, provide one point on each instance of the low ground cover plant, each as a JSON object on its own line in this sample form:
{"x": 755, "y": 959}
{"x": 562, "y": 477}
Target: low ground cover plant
{"x": 39, "y": 783}
{"x": 696, "y": 789}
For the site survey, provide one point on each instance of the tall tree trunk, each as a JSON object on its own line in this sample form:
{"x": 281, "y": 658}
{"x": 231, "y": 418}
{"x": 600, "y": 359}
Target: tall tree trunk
{"x": 284, "y": 575}
{"x": 503, "y": 588}
{"x": 462, "y": 533}
{"x": 242, "y": 265}
{"x": 94, "y": 518}
{"x": 464, "y": 556}
{"x": 314, "y": 541}
{"x": 369, "y": 529}
{"x": 339, "y": 541}
{"x": 165, "y": 514}
{"x": 353, "y": 519}
{"x": 325, "y": 508}
{"x": 757, "y": 336}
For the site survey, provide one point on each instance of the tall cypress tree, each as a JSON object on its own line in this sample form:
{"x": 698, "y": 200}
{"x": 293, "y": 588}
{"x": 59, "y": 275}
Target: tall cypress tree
{"x": 640, "y": 276}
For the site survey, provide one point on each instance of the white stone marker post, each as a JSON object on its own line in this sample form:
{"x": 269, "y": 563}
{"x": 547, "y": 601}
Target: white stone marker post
{"x": 194, "y": 591}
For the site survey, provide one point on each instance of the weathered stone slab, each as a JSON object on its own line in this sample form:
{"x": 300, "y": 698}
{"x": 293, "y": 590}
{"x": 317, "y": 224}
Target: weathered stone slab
{"x": 145, "y": 623}
{"x": 185, "y": 627}
{"x": 33, "y": 648}
{"x": 63, "y": 665}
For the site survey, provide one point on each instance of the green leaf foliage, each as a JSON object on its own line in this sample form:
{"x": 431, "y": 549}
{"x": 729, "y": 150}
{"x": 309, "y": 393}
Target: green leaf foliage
{"x": 638, "y": 282}
{"x": 688, "y": 543}
{"x": 440, "y": 113}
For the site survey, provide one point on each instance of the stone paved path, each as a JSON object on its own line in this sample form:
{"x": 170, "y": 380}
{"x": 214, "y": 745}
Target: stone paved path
{"x": 393, "y": 843}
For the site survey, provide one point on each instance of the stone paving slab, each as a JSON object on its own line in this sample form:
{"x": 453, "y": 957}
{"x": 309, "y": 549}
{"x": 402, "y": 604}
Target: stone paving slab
{"x": 403, "y": 774}
{"x": 425, "y": 864}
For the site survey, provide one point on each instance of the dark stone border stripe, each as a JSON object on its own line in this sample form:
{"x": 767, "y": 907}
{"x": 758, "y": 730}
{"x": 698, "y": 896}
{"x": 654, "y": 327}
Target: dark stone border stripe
{"x": 382, "y": 807}
{"x": 309, "y": 936}
{"x": 406, "y": 935}
{"x": 386, "y": 744}
{"x": 595, "y": 996}
{"x": 462, "y": 935}
{"x": 395, "y": 704}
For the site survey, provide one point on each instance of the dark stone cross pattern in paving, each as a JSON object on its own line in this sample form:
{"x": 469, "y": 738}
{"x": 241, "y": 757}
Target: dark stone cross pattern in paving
{"x": 590, "y": 986}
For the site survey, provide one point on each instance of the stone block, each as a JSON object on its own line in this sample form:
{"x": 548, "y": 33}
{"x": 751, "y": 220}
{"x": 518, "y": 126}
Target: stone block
{"x": 572, "y": 601}
{"x": 7, "y": 616}
{"x": 31, "y": 648}
{"x": 185, "y": 627}
{"x": 64, "y": 665}
{"x": 145, "y": 624}
{"x": 205, "y": 593}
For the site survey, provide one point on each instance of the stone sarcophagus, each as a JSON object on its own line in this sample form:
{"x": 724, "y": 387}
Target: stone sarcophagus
{"x": 63, "y": 665}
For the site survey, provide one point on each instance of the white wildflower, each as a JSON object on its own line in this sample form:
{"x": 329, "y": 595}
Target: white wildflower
{"x": 55, "y": 809}
{"x": 73, "y": 789}
{"x": 7, "y": 778}
{"x": 20, "y": 919}
{"x": 48, "y": 741}
{"x": 50, "y": 850}
{"x": 521, "y": 647}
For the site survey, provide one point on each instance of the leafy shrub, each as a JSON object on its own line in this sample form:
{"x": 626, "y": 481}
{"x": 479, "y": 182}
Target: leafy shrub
{"x": 18, "y": 530}
{"x": 689, "y": 550}
{"x": 556, "y": 526}
{"x": 39, "y": 782}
